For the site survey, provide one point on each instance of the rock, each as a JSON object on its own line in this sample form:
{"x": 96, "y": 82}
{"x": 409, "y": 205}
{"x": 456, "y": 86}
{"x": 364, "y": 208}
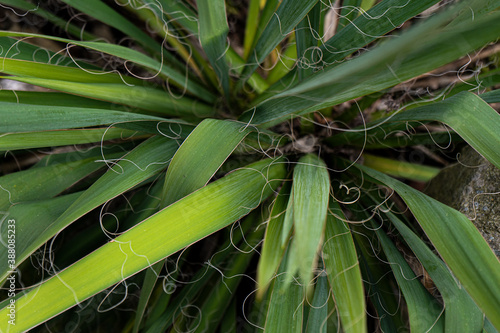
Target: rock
{"x": 472, "y": 186}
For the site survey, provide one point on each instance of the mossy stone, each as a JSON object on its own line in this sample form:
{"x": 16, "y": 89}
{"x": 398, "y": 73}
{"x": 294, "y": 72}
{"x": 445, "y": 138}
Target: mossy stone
{"x": 472, "y": 186}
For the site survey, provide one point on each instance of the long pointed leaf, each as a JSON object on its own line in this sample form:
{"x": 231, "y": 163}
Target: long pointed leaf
{"x": 27, "y": 140}
{"x": 391, "y": 63}
{"x": 425, "y": 312}
{"x": 146, "y": 98}
{"x": 461, "y": 313}
{"x": 122, "y": 176}
{"x": 213, "y": 31}
{"x": 286, "y": 17}
{"x": 286, "y": 307}
{"x": 311, "y": 192}
{"x": 273, "y": 249}
{"x": 155, "y": 66}
{"x": 342, "y": 266}
{"x": 27, "y": 118}
{"x": 175, "y": 227}
{"x": 209, "y": 144}
{"x": 472, "y": 118}
{"x": 458, "y": 242}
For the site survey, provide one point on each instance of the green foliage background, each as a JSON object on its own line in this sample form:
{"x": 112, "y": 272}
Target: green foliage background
{"x": 213, "y": 166}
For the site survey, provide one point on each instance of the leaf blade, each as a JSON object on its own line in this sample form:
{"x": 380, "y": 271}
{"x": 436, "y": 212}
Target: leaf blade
{"x": 188, "y": 220}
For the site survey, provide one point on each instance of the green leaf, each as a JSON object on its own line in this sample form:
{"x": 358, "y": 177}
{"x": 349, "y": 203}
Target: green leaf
{"x": 213, "y": 30}
{"x": 43, "y": 182}
{"x": 458, "y": 242}
{"x": 377, "y": 278}
{"x": 318, "y": 313}
{"x": 472, "y": 118}
{"x": 55, "y": 99}
{"x": 219, "y": 298}
{"x": 286, "y": 308}
{"x": 201, "y": 278}
{"x": 393, "y": 62}
{"x": 342, "y": 267}
{"x": 156, "y": 67}
{"x": 209, "y": 145}
{"x": 307, "y": 34}
{"x": 27, "y": 140}
{"x": 273, "y": 249}
{"x": 102, "y": 12}
{"x": 251, "y": 26}
{"x": 186, "y": 221}
{"x": 284, "y": 20}
{"x": 25, "y": 68}
{"x": 311, "y": 192}
{"x": 378, "y": 21}
{"x": 425, "y": 312}
{"x": 132, "y": 169}
{"x": 12, "y": 48}
{"x": 461, "y": 313}
{"x": 43, "y": 212}
{"x": 54, "y": 19}
{"x": 146, "y": 98}
{"x": 29, "y": 118}
{"x": 350, "y": 10}
{"x": 412, "y": 171}
{"x": 491, "y": 96}
{"x": 181, "y": 14}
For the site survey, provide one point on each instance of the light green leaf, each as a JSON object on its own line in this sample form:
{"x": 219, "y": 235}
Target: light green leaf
{"x": 146, "y": 98}
{"x": 251, "y": 26}
{"x": 273, "y": 249}
{"x": 311, "y": 192}
{"x": 425, "y": 312}
{"x": 412, "y": 171}
{"x": 186, "y": 221}
{"x": 209, "y": 144}
{"x": 287, "y": 221}
{"x": 200, "y": 156}
{"x": 25, "y": 68}
{"x": 458, "y": 242}
{"x": 133, "y": 168}
{"x": 342, "y": 267}
{"x": 43, "y": 182}
{"x": 156, "y": 67}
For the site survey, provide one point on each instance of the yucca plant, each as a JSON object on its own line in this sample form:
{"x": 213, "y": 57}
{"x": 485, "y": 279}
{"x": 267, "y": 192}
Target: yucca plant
{"x": 176, "y": 174}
